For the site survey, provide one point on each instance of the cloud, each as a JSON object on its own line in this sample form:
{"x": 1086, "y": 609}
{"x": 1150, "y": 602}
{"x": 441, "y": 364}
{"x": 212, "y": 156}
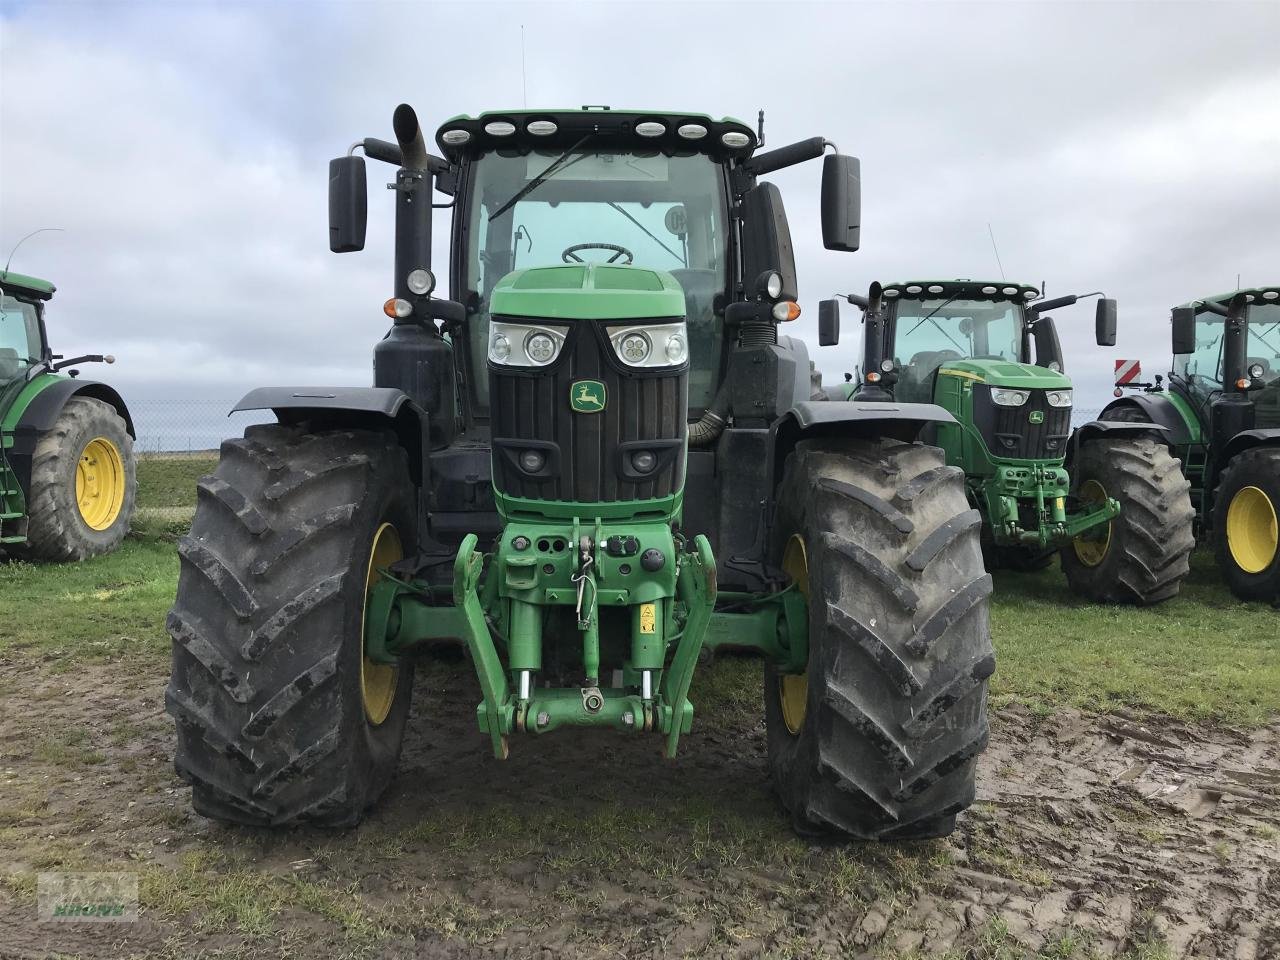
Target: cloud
{"x": 183, "y": 147}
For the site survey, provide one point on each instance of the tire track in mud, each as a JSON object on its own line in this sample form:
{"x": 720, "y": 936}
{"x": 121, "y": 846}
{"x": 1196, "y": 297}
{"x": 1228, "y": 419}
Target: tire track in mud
{"x": 1092, "y": 835}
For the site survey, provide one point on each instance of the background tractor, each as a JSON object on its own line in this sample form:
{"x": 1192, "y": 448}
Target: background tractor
{"x": 1221, "y": 414}
{"x": 596, "y": 458}
{"x": 67, "y": 470}
{"x": 1109, "y": 496}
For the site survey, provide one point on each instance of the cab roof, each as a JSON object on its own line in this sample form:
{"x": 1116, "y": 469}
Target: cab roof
{"x": 963, "y": 287}
{"x": 604, "y": 124}
{"x": 34, "y": 286}
{"x": 1252, "y": 294}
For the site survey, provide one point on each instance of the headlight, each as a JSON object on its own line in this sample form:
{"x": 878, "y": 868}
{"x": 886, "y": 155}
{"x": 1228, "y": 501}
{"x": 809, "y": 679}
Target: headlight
{"x": 421, "y": 281}
{"x": 651, "y": 345}
{"x": 1009, "y": 398}
{"x": 1256, "y": 371}
{"x": 1059, "y": 398}
{"x": 676, "y": 349}
{"x": 524, "y": 344}
{"x": 634, "y": 348}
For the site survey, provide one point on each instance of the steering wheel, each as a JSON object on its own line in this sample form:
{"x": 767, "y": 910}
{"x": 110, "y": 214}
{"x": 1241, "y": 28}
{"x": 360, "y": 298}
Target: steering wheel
{"x": 570, "y": 254}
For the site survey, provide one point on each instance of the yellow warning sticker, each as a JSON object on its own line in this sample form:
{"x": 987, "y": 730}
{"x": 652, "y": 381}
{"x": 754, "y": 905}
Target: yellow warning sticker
{"x": 648, "y": 617}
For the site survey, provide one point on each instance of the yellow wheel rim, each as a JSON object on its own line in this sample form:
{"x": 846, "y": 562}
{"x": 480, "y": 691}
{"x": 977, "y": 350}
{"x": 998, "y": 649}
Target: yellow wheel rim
{"x": 100, "y": 483}
{"x": 1251, "y": 530}
{"x": 378, "y": 680}
{"x": 1091, "y": 548}
{"x": 793, "y": 688}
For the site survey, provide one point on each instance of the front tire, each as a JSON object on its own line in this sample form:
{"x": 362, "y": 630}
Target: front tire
{"x": 1143, "y": 555}
{"x": 879, "y": 738}
{"x": 1244, "y": 524}
{"x": 280, "y": 717}
{"x": 83, "y": 485}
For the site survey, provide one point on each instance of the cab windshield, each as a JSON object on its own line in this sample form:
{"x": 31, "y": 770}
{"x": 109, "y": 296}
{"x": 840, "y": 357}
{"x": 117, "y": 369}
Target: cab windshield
{"x": 1202, "y": 369}
{"x": 664, "y": 211}
{"x": 928, "y": 333}
{"x": 19, "y": 337}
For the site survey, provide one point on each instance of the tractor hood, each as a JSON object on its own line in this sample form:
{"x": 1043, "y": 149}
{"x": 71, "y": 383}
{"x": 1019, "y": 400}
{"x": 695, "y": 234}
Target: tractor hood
{"x": 1006, "y": 373}
{"x": 588, "y": 291}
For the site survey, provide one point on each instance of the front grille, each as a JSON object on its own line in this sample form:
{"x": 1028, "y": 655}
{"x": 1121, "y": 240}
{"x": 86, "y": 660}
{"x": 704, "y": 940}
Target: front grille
{"x": 1010, "y": 433}
{"x": 588, "y": 454}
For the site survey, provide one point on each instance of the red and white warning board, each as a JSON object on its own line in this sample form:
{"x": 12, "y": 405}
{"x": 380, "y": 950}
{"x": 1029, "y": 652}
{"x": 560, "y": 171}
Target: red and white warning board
{"x": 1127, "y": 371}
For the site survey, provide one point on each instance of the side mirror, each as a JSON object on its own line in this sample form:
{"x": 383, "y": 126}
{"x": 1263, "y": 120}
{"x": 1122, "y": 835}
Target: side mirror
{"x": 828, "y": 323}
{"x": 841, "y": 202}
{"x": 766, "y": 238}
{"x": 348, "y": 204}
{"x": 1184, "y": 329}
{"x": 1105, "y": 323}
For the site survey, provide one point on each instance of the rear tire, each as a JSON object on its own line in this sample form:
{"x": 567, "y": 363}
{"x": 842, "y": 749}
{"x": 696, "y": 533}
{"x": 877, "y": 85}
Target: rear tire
{"x": 1144, "y": 555}
{"x": 899, "y": 643}
{"x": 268, "y": 687}
{"x": 1245, "y": 509}
{"x": 89, "y": 439}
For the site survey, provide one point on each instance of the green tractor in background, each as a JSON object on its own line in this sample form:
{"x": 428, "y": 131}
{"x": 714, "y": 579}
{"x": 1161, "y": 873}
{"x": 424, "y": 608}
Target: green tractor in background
{"x": 596, "y": 459}
{"x": 1108, "y": 496}
{"x": 67, "y": 469}
{"x": 1221, "y": 417}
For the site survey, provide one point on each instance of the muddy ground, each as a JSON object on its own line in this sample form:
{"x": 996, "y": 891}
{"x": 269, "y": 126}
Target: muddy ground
{"x": 1093, "y": 835}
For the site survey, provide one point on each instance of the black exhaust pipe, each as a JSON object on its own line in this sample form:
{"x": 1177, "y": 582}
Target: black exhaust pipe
{"x": 413, "y": 149}
{"x": 413, "y": 208}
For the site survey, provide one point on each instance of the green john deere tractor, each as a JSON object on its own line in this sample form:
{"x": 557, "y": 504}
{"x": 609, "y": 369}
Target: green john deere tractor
{"x": 596, "y": 459}
{"x": 67, "y": 471}
{"x": 1107, "y": 496}
{"x": 1221, "y": 415}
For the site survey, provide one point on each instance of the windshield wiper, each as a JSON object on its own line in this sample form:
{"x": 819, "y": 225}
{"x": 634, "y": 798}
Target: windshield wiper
{"x": 554, "y": 167}
{"x": 648, "y": 233}
{"x": 929, "y": 316}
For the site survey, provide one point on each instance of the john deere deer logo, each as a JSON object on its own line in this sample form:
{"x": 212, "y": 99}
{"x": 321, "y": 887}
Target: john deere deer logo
{"x": 1037, "y": 416}
{"x": 586, "y": 396}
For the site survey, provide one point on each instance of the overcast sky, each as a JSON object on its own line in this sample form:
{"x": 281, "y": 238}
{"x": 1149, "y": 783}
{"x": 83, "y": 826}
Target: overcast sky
{"x": 183, "y": 148}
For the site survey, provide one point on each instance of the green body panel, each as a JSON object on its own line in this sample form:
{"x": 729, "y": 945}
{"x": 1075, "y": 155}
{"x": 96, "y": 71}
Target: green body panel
{"x": 15, "y": 398}
{"x": 552, "y": 511}
{"x": 588, "y": 291}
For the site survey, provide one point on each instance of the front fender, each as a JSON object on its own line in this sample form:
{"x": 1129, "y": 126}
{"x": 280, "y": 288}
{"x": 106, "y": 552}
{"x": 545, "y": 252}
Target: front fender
{"x": 356, "y": 407}
{"x": 848, "y": 418}
{"x": 1160, "y": 410}
{"x": 1247, "y": 439}
{"x": 1112, "y": 428}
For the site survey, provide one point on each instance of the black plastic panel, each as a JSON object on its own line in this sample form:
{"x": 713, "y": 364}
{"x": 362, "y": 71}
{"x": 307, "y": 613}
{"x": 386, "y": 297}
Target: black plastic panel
{"x": 534, "y": 405}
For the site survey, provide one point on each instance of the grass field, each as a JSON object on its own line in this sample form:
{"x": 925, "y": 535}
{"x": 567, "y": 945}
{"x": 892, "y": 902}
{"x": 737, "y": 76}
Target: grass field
{"x": 453, "y": 865}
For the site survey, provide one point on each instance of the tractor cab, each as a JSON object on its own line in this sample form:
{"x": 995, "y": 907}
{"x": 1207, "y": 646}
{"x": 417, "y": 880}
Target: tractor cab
{"x": 1227, "y": 351}
{"x": 987, "y": 352}
{"x": 22, "y": 342}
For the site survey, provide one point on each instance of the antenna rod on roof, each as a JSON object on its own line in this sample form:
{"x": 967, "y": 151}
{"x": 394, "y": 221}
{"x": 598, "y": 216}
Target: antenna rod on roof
{"x": 524, "y": 82}
{"x": 760, "y": 129}
{"x": 25, "y": 239}
{"x": 995, "y": 249}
